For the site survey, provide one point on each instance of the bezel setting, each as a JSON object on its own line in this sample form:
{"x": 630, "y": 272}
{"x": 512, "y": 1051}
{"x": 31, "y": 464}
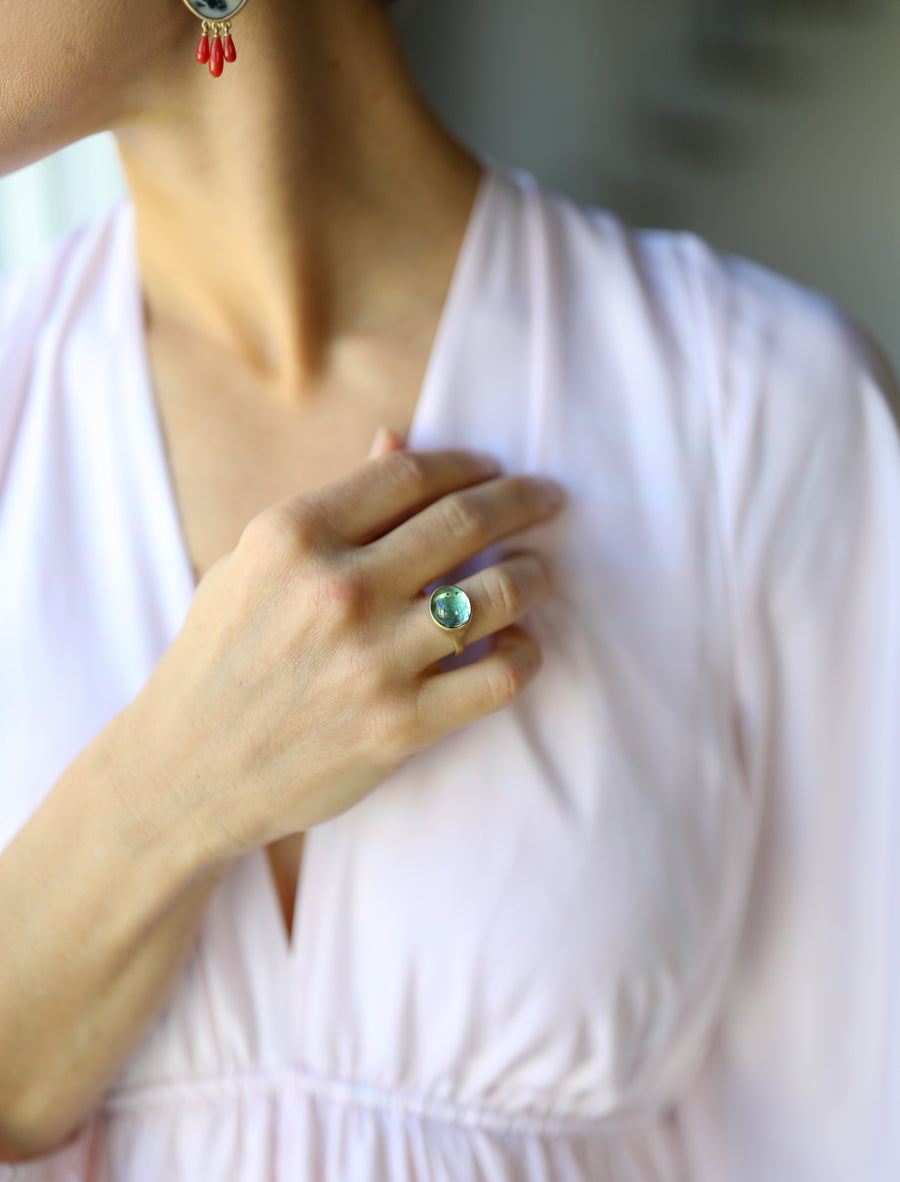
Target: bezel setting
{"x": 215, "y": 10}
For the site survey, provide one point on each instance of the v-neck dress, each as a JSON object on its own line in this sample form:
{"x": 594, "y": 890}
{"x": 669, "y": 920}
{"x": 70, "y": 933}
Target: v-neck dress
{"x": 643, "y": 925}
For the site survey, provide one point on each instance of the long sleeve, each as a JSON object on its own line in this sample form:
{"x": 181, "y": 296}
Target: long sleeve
{"x": 802, "y": 1081}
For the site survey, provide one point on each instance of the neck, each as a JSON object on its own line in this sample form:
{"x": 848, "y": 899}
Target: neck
{"x": 306, "y": 200}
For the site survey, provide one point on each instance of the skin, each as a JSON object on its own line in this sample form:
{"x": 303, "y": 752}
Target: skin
{"x": 339, "y": 198}
{"x": 314, "y": 281}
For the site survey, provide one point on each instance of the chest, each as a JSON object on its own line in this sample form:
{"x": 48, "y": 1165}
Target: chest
{"x": 535, "y": 913}
{"x": 227, "y": 464}
{"x": 234, "y": 453}
{"x": 238, "y": 441}
{"x": 554, "y": 881}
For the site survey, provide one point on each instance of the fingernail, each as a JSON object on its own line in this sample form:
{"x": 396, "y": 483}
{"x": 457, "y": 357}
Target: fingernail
{"x": 379, "y": 441}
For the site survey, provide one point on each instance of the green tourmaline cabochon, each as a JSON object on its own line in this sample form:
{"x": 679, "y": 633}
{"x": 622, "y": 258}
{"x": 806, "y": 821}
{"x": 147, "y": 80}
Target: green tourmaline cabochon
{"x": 450, "y": 607}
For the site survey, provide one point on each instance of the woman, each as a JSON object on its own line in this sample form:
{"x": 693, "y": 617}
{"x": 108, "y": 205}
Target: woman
{"x": 301, "y": 881}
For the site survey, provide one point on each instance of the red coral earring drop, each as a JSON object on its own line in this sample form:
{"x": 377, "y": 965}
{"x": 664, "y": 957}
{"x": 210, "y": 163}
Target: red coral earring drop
{"x": 203, "y": 44}
{"x": 218, "y": 50}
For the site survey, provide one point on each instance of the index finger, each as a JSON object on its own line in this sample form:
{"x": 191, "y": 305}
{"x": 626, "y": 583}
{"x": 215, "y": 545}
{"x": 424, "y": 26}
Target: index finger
{"x": 386, "y": 490}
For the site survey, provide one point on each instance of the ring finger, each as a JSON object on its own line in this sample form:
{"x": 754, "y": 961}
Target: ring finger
{"x": 500, "y": 595}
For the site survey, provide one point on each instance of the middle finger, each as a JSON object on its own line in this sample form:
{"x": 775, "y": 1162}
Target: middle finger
{"x": 460, "y": 525}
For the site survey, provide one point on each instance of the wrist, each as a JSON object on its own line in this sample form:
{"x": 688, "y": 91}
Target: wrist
{"x": 157, "y": 815}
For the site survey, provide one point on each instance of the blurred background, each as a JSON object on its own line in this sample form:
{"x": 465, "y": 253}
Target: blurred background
{"x": 766, "y": 126}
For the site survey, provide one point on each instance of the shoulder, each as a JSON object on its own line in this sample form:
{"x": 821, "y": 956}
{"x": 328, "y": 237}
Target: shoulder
{"x": 64, "y": 272}
{"x": 731, "y": 309}
{"x": 49, "y": 304}
{"x": 593, "y": 256}
{"x": 776, "y": 338}
{"x": 767, "y": 386}
{"x": 804, "y": 403}
{"x": 694, "y": 308}
{"x": 748, "y": 336}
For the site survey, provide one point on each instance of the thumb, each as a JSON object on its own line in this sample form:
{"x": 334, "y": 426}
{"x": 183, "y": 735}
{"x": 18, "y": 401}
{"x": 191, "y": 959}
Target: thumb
{"x": 385, "y": 440}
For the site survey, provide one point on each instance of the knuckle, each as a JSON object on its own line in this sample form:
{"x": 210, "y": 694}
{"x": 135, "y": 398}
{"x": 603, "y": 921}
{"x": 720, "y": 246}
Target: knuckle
{"x": 465, "y": 518}
{"x": 506, "y": 593}
{"x": 506, "y": 681}
{"x": 265, "y": 530}
{"x": 282, "y": 527}
{"x": 408, "y": 471}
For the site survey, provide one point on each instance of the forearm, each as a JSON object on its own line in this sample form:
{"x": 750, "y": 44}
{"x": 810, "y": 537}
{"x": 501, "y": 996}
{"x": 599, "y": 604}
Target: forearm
{"x": 100, "y": 906}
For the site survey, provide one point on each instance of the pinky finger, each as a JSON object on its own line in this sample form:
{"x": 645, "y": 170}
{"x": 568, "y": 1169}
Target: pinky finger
{"x": 450, "y": 700}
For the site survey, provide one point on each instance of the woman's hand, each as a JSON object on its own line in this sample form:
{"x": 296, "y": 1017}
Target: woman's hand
{"x": 306, "y": 669}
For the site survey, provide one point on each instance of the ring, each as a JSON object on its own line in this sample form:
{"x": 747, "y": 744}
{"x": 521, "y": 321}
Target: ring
{"x": 451, "y": 610}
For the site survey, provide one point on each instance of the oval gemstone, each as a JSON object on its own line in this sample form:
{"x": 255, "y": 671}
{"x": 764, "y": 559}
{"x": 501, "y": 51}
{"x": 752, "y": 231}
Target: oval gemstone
{"x": 451, "y": 607}
{"x": 203, "y": 49}
{"x": 230, "y": 51}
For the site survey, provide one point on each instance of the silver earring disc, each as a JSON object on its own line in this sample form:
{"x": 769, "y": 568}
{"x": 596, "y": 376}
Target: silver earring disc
{"x": 215, "y": 10}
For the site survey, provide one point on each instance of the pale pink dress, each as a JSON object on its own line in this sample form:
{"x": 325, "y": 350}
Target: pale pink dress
{"x": 643, "y": 925}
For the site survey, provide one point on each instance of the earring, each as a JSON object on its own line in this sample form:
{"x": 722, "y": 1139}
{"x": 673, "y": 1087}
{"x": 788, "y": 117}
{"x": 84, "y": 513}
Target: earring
{"x": 216, "y": 45}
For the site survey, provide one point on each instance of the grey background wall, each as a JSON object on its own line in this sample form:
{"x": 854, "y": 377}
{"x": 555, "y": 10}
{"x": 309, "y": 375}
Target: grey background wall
{"x": 767, "y": 127}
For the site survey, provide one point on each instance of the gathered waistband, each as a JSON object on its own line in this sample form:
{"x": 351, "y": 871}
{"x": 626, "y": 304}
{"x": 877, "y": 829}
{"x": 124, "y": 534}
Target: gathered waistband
{"x": 267, "y": 1083}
